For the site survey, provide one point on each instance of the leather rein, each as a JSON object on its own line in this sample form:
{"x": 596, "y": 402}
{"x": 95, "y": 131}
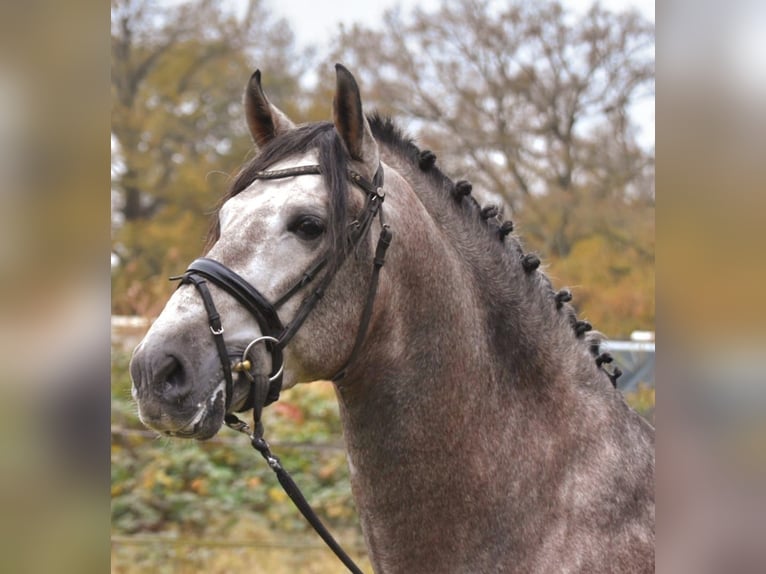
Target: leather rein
{"x": 265, "y": 389}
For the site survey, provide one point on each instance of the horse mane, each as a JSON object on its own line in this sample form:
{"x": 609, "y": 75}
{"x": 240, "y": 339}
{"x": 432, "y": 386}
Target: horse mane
{"x": 494, "y": 250}
{"x": 494, "y": 237}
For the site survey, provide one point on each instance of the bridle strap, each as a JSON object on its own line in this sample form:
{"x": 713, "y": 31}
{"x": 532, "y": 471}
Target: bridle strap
{"x": 253, "y": 301}
{"x": 362, "y": 226}
{"x": 291, "y": 488}
{"x": 384, "y": 240}
{"x": 307, "y": 278}
{"x": 303, "y": 311}
{"x": 311, "y": 169}
{"x": 302, "y": 504}
{"x": 247, "y": 295}
{"x": 216, "y": 328}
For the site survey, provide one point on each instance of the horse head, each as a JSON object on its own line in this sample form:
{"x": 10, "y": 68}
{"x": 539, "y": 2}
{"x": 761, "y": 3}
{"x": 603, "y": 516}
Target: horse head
{"x": 276, "y": 271}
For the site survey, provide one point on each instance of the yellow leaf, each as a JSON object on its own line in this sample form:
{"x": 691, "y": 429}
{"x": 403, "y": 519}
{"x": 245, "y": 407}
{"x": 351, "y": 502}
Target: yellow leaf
{"x": 277, "y": 494}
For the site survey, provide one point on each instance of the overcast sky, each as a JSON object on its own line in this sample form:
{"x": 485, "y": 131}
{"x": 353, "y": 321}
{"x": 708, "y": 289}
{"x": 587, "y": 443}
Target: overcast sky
{"x": 314, "y": 22}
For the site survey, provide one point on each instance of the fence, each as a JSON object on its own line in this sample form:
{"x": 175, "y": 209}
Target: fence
{"x": 636, "y": 360}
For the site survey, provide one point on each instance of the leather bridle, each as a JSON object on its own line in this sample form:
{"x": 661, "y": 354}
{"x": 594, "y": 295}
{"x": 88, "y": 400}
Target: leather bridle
{"x": 275, "y": 334}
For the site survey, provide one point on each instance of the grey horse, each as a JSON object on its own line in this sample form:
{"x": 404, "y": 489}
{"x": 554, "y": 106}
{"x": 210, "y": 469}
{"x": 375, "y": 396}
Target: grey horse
{"x": 483, "y": 430}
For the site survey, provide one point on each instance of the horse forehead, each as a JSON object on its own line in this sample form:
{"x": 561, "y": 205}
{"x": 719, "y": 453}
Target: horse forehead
{"x": 266, "y": 199}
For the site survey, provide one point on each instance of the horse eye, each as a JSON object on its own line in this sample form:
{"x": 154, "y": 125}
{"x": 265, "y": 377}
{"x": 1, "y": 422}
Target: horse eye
{"x": 307, "y": 227}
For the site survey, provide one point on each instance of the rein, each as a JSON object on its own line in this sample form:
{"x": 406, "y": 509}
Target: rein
{"x": 265, "y": 390}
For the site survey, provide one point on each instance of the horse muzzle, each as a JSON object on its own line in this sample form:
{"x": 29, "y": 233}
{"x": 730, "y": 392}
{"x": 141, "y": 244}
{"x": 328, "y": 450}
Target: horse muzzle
{"x": 174, "y": 399}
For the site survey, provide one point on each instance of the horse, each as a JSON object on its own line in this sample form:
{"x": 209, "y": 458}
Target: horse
{"x": 483, "y": 429}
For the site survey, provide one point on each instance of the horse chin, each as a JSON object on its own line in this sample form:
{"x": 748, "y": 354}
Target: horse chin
{"x": 208, "y": 419}
{"x": 204, "y": 423}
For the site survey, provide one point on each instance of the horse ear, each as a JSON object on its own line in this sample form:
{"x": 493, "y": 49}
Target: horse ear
{"x": 265, "y": 120}
{"x": 350, "y": 122}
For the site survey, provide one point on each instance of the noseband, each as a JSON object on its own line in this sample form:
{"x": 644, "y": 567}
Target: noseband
{"x": 275, "y": 334}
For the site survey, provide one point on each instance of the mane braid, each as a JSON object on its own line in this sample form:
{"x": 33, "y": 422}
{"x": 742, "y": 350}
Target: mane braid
{"x": 386, "y": 132}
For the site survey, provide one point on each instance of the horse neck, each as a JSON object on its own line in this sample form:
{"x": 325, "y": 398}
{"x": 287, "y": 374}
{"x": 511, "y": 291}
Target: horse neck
{"x": 460, "y": 370}
{"x": 459, "y": 304}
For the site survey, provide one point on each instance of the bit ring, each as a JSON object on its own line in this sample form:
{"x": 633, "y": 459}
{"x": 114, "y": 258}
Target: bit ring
{"x": 245, "y": 364}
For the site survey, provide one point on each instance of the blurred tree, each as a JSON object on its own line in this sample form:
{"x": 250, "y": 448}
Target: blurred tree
{"x": 532, "y": 103}
{"x": 178, "y": 72}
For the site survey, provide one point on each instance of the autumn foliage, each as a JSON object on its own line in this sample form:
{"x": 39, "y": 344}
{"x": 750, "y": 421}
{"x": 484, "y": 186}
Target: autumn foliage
{"x": 527, "y": 100}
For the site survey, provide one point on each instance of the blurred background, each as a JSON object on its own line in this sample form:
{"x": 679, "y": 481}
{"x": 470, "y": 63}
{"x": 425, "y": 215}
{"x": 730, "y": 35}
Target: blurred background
{"x": 548, "y": 108}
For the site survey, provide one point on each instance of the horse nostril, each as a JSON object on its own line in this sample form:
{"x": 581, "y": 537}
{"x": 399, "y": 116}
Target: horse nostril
{"x": 171, "y": 382}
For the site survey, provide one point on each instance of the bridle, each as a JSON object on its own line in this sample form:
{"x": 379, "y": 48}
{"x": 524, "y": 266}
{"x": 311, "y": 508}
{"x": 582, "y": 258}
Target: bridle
{"x": 275, "y": 334}
{"x": 265, "y": 390}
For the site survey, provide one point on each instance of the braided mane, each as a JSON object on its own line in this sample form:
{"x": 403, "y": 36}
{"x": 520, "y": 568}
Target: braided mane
{"x": 497, "y": 234}
{"x": 490, "y": 233}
